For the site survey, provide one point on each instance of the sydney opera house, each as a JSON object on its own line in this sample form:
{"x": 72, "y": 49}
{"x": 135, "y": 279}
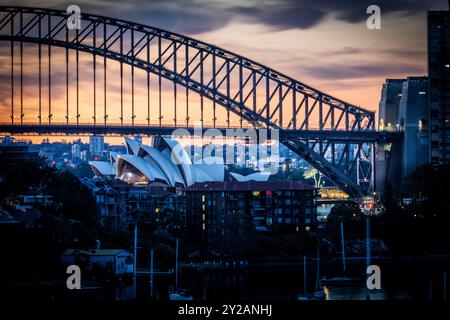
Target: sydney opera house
{"x": 165, "y": 161}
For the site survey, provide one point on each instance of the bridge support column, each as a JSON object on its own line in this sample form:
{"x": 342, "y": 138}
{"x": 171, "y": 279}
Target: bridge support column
{"x": 388, "y": 164}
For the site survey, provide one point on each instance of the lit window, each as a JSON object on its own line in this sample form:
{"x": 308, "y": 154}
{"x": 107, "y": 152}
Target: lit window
{"x": 203, "y": 226}
{"x": 422, "y": 124}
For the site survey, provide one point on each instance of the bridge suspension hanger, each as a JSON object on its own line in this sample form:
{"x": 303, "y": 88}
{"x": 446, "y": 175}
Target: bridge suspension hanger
{"x": 105, "y": 112}
{"x": 12, "y": 70}
{"x": 94, "y": 63}
{"x": 49, "y": 73}
{"x": 148, "y": 81}
{"x": 67, "y": 78}
{"x": 21, "y": 70}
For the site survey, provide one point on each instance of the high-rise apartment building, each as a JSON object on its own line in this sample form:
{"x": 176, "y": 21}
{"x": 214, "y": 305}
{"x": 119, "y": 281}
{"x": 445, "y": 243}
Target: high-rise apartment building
{"x": 96, "y": 145}
{"x": 76, "y": 151}
{"x": 439, "y": 85}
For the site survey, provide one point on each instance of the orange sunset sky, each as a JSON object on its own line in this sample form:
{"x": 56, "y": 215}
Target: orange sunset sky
{"x": 324, "y": 43}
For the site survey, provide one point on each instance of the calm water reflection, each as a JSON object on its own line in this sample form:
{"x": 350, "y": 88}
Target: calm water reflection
{"x": 419, "y": 282}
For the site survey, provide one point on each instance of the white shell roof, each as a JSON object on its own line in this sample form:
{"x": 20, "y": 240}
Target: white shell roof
{"x": 112, "y": 156}
{"x": 200, "y": 176}
{"x": 132, "y": 146}
{"x": 212, "y": 167}
{"x": 151, "y": 172}
{"x": 257, "y": 176}
{"x": 170, "y": 170}
{"x": 105, "y": 168}
{"x": 167, "y": 161}
{"x": 181, "y": 158}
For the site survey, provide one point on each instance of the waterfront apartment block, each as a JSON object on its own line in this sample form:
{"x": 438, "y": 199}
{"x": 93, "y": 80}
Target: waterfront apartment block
{"x": 273, "y": 206}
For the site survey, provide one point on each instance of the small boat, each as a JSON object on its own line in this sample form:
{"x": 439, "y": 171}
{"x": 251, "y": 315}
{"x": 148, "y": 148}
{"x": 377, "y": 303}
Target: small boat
{"x": 180, "y": 294}
{"x": 340, "y": 282}
{"x": 317, "y": 295}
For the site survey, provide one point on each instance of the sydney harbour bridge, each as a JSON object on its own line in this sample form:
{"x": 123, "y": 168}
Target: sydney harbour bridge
{"x": 160, "y": 81}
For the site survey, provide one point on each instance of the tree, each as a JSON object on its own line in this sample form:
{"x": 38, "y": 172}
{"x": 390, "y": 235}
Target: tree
{"x": 389, "y": 201}
{"x": 313, "y": 173}
{"x": 348, "y": 213}
{"x": 427, "y": 186}
{"x": 420, "y": 225}
{"x": 82, "y": 170}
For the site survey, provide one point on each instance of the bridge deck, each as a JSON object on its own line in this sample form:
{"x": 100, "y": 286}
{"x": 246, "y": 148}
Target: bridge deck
{"x": 112, "y": 130}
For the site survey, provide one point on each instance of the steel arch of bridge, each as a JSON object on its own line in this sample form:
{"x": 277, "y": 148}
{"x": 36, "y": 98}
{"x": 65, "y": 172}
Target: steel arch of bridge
{"x": 287, "y": 104}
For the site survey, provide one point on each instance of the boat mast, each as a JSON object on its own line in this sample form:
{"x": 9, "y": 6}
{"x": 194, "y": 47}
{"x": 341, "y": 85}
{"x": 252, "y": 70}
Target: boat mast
{"x": 367, "y": 251}
{"x": 343, "y": 246}
{"x": 318, "y": 269}
{"x": 304, "y": 275}
{"x": 176, "y": 264}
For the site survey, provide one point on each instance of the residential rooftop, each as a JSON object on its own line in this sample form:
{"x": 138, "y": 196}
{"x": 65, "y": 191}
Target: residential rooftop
{"x": 249, "y": 186}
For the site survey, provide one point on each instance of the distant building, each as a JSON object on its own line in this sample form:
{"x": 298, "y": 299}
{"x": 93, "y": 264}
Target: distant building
{"x": 329, "y": 197}
{"x": 85, "y": 155}
{"x": 439, "y": 85}
{"x": 285, "y": 206}
{"x": 100, "y": 261}
{"x": 96, "y": 145}
{"x": 25, "y": 202}
{"x": 12, "y": 151}
{"x": 76, "y": 151}
{"x": 119, "y": 203}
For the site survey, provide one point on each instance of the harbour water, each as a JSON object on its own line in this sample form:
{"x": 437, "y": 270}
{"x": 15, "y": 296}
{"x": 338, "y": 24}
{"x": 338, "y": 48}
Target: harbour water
{"x": 406, "y": 281}
{"x": 411, "y": 280}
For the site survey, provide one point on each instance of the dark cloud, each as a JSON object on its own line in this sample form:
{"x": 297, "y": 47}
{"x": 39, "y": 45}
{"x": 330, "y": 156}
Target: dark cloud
{"x": 284, "y": 15}
{"x": 386, "y": 53}
{"x": 194, "y": 16}
{"x": 304, "y": 14}
{"x": 182, "y": 16}
{"x": 406, "y": 54}
{"x": 359, "y": 70}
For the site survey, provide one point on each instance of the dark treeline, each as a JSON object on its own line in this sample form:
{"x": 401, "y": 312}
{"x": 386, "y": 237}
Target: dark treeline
{"x": 414, "y": 220}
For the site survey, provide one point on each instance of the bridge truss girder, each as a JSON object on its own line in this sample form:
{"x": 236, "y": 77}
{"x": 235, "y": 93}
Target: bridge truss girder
{"x": 258, "y": 95}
